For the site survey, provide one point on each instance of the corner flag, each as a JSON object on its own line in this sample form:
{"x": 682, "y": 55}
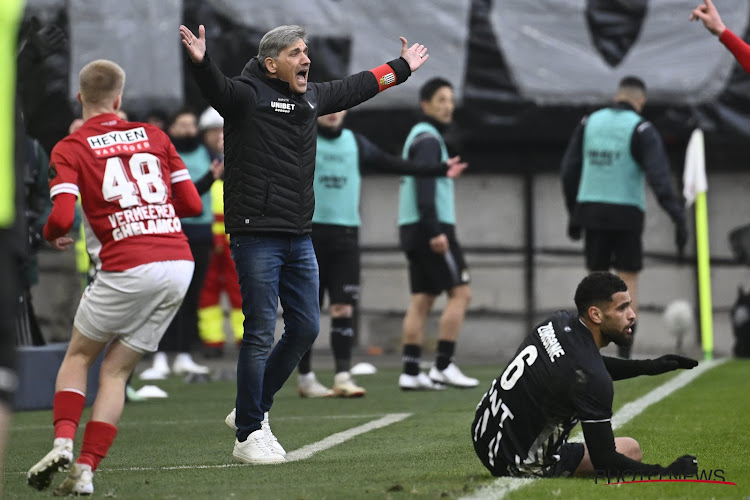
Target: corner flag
{"x": 695, "y": 187}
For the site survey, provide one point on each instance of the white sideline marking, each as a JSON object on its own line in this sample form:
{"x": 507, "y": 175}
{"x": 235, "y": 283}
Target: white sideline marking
{"x": 498, "y": 489}
{"x": 203, "y": 421}
{"x": 340, "y": 437}
{"x": 294, "y": 456}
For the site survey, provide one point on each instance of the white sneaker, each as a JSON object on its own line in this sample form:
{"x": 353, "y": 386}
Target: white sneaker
{"x": 419, "y": 382}
{"x": 344, "y": 386}
{"x": 150, "y": 392}
{"x": 265, "y": 427}
{"x": 363, "y": 369}
{"x": 80, "y": 481}
{"x": 452, "y": 376}
{"x": 256, "y": 450}
{"x": 40, "y": 475}
{"x": 309, "y": 387}
{"x": 231, "y": 419}
{"x": 152, "y": 374}
{"x": 184, "y": 364}
{"x": 161, "y": 364}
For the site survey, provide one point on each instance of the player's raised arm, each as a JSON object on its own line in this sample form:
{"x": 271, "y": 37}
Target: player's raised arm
{"x": 710, "y": 17}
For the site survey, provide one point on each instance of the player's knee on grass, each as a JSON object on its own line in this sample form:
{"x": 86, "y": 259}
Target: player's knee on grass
{"x": 629, "y": 447}
{"x": 624, "y": 445}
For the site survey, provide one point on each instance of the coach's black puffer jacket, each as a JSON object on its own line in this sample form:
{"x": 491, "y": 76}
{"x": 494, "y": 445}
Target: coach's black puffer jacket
{"x": 270, "y": 139}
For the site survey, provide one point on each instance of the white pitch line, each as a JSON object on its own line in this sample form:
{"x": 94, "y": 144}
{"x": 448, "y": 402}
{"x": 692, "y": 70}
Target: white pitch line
{"x": 294, "y": 456}
{"x": 498, "y": 489}
{"x": 340, "y": 437}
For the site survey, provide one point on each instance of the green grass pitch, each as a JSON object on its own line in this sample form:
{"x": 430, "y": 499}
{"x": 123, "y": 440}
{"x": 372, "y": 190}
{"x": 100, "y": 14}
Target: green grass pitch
{"x": 180, "y": 448}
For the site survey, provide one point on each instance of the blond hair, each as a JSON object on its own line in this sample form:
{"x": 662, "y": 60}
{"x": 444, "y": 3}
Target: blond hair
{"x": 100, "y": 81}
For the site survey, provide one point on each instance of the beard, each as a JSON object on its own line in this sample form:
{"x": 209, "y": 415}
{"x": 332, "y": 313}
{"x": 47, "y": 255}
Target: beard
{"x": 620, "y": 338}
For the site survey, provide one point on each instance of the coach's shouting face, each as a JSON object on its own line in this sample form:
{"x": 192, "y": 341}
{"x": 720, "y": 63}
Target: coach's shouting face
{"x": 291, "y": 65}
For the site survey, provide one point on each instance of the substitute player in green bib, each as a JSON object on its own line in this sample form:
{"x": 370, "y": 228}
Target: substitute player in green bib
{"x": 426, "y": 219}
{"x": 341, "y": 157}
{"x": 612, "y": 153}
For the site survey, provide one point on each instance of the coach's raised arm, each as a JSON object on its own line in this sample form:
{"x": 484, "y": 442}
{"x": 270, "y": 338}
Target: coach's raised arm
{"x": 289, "y": 62}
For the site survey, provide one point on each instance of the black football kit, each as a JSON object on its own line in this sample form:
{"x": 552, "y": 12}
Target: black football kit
{"x": 556, "y": 379}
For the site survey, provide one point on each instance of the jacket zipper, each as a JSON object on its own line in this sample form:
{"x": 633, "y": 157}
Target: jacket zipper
{"x": 300, "y": 226}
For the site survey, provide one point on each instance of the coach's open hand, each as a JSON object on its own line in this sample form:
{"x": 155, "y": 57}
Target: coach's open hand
{"x": 196, "y": 47}
{"x": 670, "y": 362}
{"x": 415, "y": 55}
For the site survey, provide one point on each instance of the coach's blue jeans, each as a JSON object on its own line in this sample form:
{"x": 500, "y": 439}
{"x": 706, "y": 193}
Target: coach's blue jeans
{"x": 272, "y": 268}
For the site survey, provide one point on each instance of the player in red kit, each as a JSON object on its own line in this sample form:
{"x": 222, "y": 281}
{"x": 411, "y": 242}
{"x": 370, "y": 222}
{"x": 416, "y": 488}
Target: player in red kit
{"x": 133, "y": 189}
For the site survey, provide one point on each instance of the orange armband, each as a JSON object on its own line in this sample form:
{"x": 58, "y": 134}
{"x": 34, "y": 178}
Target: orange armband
{"x": 385, "y": 75}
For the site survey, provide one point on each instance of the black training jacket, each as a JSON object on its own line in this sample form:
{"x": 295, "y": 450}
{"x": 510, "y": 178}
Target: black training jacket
{"x": 270, "y": 139}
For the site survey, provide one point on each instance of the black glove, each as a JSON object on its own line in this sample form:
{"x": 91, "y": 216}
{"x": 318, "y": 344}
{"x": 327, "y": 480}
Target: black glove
{"x": 670, "y": 362}
{"x": 681, "y": 237}
{"x": 686, "y": 465}
{"x": 574, "y": 230}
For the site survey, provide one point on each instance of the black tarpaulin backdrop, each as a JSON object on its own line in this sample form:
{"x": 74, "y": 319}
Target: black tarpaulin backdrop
{"x": 516, "y": 107}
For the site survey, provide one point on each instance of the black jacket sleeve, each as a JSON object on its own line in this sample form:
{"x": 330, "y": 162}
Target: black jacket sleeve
{"x": 338, "y": 95}
{"x": 426, "y": 149}
{"x": 372, "y": 158}
{"x": 600, "y": 442}
{"x": 648, "y": 150}
{"x": 572, "y": 164}
{"x": 620, "y": 369}
{"x": 203, "y": 184}
{"x": 230, "y": 97}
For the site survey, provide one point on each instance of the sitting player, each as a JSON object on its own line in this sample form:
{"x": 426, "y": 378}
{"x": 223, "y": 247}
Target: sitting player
{"x": 556, "y": 379}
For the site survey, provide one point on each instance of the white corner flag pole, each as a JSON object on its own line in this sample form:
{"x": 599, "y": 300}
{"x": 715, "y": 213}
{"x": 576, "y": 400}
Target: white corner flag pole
{"x": 695, "y": 187}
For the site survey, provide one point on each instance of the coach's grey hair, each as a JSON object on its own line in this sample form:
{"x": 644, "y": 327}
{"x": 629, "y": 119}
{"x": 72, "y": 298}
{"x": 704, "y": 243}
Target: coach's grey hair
{"x": 279, "y": 38}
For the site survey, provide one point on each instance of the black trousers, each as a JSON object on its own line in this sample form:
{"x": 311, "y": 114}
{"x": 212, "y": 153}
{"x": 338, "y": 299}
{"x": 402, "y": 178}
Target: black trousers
{"x": 182, "y": 333}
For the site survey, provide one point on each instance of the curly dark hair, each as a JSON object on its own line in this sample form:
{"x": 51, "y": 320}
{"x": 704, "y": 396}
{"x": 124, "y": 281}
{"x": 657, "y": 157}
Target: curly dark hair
{"x": 597, "y": 288}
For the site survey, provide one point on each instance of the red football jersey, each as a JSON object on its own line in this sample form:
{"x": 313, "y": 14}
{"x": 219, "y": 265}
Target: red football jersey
{"x": 124, "y": 172}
